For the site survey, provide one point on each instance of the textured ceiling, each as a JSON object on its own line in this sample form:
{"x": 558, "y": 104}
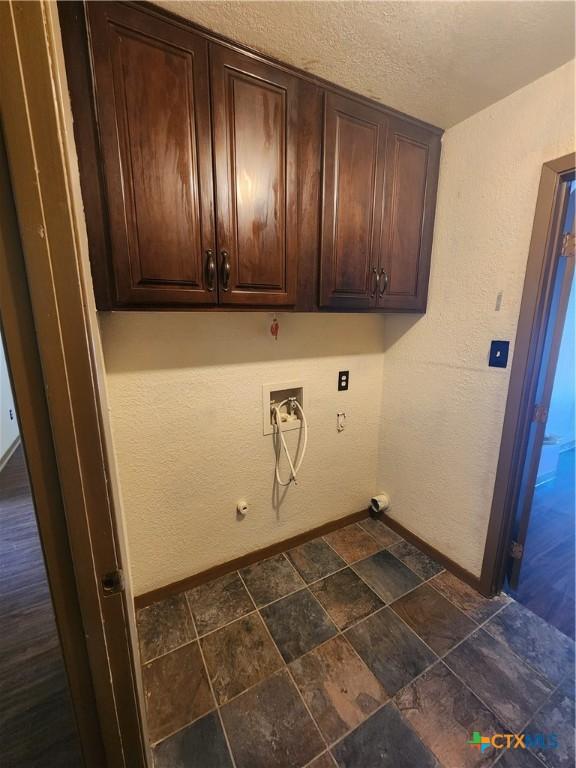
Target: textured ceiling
{"x": 439, "y": 61}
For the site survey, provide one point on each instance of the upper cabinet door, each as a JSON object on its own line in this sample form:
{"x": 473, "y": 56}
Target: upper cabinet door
{"x": 354, "y": 160}
{"x": 151, "y": 82}
{"x": 410, "y": 197}
{"x": 254, "y": 107}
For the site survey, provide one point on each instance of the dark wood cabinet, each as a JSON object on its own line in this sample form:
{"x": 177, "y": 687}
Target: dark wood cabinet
{"x": 354, "y": 162}
{"x": 412, "y": 158}
{"x": 151, "y": 86}
{"x": 213, "y": 177}
{"x": 255, "y": 109}
{"x": 380, "y": 176}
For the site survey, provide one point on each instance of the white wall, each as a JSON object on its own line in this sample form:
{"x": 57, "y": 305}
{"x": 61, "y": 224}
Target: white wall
{"x": 442, "y": 407}
{"x": 185, "y": 391}
{"x": 8, "y": 425}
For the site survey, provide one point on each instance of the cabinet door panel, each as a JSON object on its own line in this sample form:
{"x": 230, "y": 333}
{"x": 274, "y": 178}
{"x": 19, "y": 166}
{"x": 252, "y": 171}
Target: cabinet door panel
{"x": 412, "y": 165}
{"x": 154, "y": 111}
{"x": 255, "y": 144}
{"x": 354, "y": 152}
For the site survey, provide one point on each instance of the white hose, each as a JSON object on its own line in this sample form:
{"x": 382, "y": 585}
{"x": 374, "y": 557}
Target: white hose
{"x": 293, "y": 469}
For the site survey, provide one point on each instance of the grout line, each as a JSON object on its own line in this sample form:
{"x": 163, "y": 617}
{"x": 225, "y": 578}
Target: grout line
{"x": 307, "y": 709}
{"x": 289, "y": 672}
{"x": 454, "y": 603}
{"x": 247, "y": 591}
{"x": 540, "y": 708}
{"x": 389, "y": 700}
{"x": 479, "y": 628}
{"x": 154, "y": 744}
{"x": 165, "y": 653}
{"x": 482, "y": 627}
{"x": 213, "y": 631}
{"x": 326, "y": 752}
{"x": 214, "y": 697}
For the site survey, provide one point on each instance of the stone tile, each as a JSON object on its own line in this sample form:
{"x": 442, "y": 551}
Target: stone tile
{"x": 384, "y": 536}
{"x": 219, "y": 602}
{"x": 238, "y": 656}
{"x": 530, "y": 637}
{"x": 200, "y": 745}
{"x": 269, "y": 726}
{"x": 385, "y": 740}
{"x": 271, "y": 579}
{"x": 568, "y": 685}
{"x": 517, "y": 758}
{"x": 390, "y": 649}
{"x": 436, "y": 620}
{"x": 314, "y": 560}
{"x": 511, "y": 689}
{"x": 346, "y": 598}
{"x": 324, "y": 761}
{"x": 352, "y": 543}
{"x": 444, "y": 713}
{"x": 387, "y": 575}
{"x": 176, "y": 691}
{"x": 164, "y": 626}
{"x": 422, "y": 565}
{"x": 297, "y": 623}
{"x": 338, "y": 688}
{"x": 467, "y": 599}
{"x": 556, "y": 717}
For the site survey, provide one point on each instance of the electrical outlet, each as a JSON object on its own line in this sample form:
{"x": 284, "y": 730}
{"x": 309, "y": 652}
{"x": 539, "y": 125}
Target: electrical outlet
{"x": 343, "y": 379}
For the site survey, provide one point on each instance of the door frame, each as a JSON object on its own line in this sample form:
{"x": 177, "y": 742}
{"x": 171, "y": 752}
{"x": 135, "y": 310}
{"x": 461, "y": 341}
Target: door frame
{"x": 532, "y": 324}
{"x": 48, "y": 322}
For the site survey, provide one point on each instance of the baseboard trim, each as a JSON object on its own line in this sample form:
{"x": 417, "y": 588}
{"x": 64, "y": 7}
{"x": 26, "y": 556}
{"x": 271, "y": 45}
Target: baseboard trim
{"x": 450, "y": 565}
{"x": 141, "y": 601}
{"x": 9, "y": 452}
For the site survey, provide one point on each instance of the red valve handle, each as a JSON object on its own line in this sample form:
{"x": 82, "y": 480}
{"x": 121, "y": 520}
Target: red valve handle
{"x": 274, "y": 328}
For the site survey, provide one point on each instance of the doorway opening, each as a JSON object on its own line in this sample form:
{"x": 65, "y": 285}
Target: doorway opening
{"x": 531, "y": 543}
{"x": 542, "y": 579}
{"x": 36, "y": 714}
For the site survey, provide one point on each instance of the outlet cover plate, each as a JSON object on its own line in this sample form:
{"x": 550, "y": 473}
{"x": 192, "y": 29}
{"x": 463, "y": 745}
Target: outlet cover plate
{"x": 343, "y": 380}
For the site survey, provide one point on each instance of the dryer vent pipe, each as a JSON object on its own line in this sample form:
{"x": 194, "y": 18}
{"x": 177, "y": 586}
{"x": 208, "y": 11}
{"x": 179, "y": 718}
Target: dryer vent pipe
{"x": 380, "y": 502}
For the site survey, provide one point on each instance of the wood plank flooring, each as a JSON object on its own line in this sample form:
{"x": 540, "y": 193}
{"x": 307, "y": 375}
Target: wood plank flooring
{"x": 546, "y": 584}
{"x": 37, "y": 725}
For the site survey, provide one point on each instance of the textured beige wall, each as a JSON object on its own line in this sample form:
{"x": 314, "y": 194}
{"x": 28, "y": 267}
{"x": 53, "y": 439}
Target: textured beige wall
{"x": 185, "y": 391}
{"x": 442, "y": 407}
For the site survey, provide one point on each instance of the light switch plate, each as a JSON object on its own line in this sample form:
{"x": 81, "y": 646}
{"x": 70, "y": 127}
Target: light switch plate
{"x": 499, "y": 354}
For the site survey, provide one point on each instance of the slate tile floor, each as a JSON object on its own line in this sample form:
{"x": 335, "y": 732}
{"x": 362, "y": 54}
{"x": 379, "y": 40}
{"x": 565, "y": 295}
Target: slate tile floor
{"x": 355, "y": 650}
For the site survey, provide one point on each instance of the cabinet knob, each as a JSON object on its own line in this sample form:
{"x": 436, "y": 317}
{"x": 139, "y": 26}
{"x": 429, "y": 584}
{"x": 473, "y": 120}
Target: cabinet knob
{"x": 210, "y": 270}
{"x": 384, "y": 285}
{"x": 225, "y": 270}
{"x": 376, "y": 281}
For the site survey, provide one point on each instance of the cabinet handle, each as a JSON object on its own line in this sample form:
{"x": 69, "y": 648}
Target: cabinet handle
{"x": 376, "y": 281}
{"x": 210, "y": 270}
{"x": 384, "y": 275}
{"x": 225, "y": 274}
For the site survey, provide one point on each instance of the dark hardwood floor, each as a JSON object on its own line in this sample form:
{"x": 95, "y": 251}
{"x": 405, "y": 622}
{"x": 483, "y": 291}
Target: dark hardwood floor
{"x": 546, "y": 584}
{"x": 37, "y": 725}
